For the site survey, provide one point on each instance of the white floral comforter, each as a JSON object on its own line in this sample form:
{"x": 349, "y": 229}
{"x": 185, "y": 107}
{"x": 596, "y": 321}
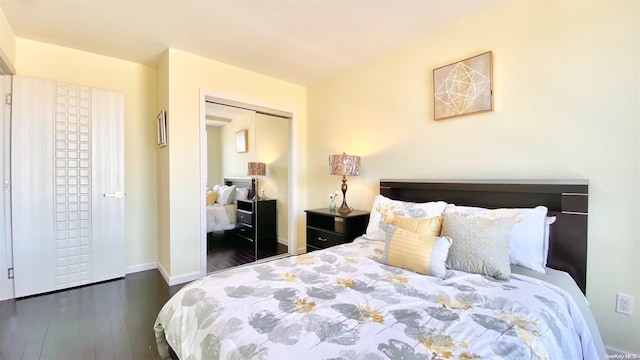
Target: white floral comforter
{"x": 340, "y": 303}
{"x": 221, "y": 217}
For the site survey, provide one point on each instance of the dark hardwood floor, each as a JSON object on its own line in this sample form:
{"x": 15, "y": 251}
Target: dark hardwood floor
{"x": 110, "y": 320}
{"x": 225, "y": 251}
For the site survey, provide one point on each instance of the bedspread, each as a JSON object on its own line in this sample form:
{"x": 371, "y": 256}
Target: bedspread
{"x": 221, "y": 217}
{"x": 341, "y": 303}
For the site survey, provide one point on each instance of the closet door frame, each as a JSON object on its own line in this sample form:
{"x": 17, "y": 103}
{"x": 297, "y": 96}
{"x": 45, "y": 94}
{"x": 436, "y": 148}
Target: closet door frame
{"x": 6, "y": 246}
{"x": 293, "y": 209}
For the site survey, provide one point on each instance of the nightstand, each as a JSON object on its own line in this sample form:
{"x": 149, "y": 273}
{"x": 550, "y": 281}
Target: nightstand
{"x": 257, "y": 220}
{"x": 327, "y": 228}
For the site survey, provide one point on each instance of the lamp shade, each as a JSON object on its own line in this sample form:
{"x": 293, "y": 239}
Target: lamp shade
{"x": 256, "y": 168}
{"x": 344, "y": 165}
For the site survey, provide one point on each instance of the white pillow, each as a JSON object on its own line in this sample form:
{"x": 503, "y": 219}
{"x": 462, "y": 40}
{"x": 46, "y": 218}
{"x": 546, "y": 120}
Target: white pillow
{"x": 384, "y": 210}
{"x": 217, "y": 187}
{"x": 226, "y": 195}
{"x": 242, "y": 193}
{"x": 527, "y": 238}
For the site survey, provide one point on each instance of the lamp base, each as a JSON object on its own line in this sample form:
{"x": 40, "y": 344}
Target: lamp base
{"x": 344, "y": 209}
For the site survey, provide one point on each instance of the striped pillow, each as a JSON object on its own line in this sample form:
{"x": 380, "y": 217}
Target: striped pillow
{"x": 424, "y": 226}
{"x": 423, "y": 254}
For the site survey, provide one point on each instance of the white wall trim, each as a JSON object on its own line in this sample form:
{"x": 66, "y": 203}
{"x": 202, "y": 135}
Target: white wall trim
{"x": 184, "y": 278}
{"x": 178, "y": 279}
{"x": 141, "y": 267}
{"x": 293, "y": 160}
{"x": 164, "y": 274}
{"x": 203, "y": 183}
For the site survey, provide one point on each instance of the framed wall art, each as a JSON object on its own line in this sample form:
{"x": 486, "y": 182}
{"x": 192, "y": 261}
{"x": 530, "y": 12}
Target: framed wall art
{"x": 161, "y": 121}
{"x": 241, "y": 141}
{"x": 464, "y": 87}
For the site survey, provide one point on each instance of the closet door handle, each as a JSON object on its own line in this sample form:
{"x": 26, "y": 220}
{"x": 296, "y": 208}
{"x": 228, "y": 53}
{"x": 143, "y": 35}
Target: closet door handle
{"x": 117, "y": 194}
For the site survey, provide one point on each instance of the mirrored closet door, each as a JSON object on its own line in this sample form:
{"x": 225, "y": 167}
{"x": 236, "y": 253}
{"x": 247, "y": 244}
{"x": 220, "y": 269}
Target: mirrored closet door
{"x": 248, "y": 149}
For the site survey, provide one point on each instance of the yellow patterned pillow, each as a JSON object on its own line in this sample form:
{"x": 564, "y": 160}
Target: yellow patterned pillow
{"x": 480, "y": 245}
{"x": 212, "y": 196}
{"x": 423, "y": 254}
{"x": 427, "y": 227}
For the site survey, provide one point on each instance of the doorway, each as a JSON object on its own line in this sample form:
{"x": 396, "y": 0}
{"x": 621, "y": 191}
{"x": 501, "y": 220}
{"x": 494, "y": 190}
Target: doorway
{"x": 262, "y": 229}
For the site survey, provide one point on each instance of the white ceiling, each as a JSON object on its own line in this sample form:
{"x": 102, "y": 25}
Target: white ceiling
{"x": 301, "y": 41}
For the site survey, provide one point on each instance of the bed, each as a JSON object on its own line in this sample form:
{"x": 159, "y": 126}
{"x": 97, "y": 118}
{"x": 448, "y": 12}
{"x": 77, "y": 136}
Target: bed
{"x": 221, "y": 215}
{"x": 348, "y": 302}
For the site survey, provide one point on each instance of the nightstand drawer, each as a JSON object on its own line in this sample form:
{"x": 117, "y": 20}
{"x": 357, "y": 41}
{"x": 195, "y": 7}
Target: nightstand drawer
{"x": 323, "y": 239}
{"x": 244, "y": 217}
{"x": 327, "y": 228}
{"x": 246, "y": 232}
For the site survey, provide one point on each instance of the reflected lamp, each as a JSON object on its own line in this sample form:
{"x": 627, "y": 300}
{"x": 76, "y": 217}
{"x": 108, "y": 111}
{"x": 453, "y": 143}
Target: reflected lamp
{"x": 256, "y": 169}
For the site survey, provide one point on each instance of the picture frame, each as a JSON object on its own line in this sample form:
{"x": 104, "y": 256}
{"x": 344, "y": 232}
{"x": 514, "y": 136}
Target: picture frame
{"x": 464, "y": 87}
{"x": 241, "y": 141}
{"x": 161, "y": 122}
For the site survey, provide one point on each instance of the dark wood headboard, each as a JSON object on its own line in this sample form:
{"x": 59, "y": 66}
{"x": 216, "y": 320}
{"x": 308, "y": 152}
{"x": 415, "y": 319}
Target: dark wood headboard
{"x": 242, "y": 182}
{"x": 567, "y": 200}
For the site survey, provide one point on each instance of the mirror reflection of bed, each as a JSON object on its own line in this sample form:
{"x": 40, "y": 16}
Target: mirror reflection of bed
{"x": 241, "y": 229}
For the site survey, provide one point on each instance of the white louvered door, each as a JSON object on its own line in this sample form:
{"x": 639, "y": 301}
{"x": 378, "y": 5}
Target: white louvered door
{"x": 67, "y": 151}
{"x": 107, "y": 256}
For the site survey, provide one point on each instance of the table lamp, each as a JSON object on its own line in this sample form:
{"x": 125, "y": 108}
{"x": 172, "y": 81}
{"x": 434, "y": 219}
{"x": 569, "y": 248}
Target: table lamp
{"x": 345, "y": 165}
{"x": 256, "y": 169}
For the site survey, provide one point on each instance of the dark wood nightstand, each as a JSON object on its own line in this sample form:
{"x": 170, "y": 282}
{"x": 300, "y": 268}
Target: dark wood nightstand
{"x": 327, "y": 228}
{"x": 257, "y": 220}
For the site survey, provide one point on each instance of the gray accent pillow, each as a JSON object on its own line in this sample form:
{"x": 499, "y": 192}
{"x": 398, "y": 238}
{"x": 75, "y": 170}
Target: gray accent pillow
{"x": 480, "y": 245}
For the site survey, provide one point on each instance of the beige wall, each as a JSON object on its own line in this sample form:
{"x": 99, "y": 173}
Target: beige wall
{"x": 272, "y": 145}
{"x": 7, "y": 43}
{"x": 214, "y": 156}
{"x": 138, "y": 84}
{"x": 566, "y": 106}
{"x": 188, "y": 74}
{"x": 233, "y": 162}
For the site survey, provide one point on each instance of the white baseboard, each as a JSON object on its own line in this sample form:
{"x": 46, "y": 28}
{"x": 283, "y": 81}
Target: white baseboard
{"x": 619, "y": 354}
{"x": 141, "y": 267}
{"x": 185, "y": 278}
{"x": 178, "y": 279}
{"x": 164, "y": 274}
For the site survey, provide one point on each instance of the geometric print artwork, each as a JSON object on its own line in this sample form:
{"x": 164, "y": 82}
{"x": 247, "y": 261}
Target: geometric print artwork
{"x": 72, "y": 179}
{"x": 463, "y": 87}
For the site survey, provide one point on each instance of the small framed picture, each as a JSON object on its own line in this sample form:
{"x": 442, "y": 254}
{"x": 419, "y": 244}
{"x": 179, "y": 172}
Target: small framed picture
{"x": 241, "y": 141}
{"x": 161, "y": 120}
